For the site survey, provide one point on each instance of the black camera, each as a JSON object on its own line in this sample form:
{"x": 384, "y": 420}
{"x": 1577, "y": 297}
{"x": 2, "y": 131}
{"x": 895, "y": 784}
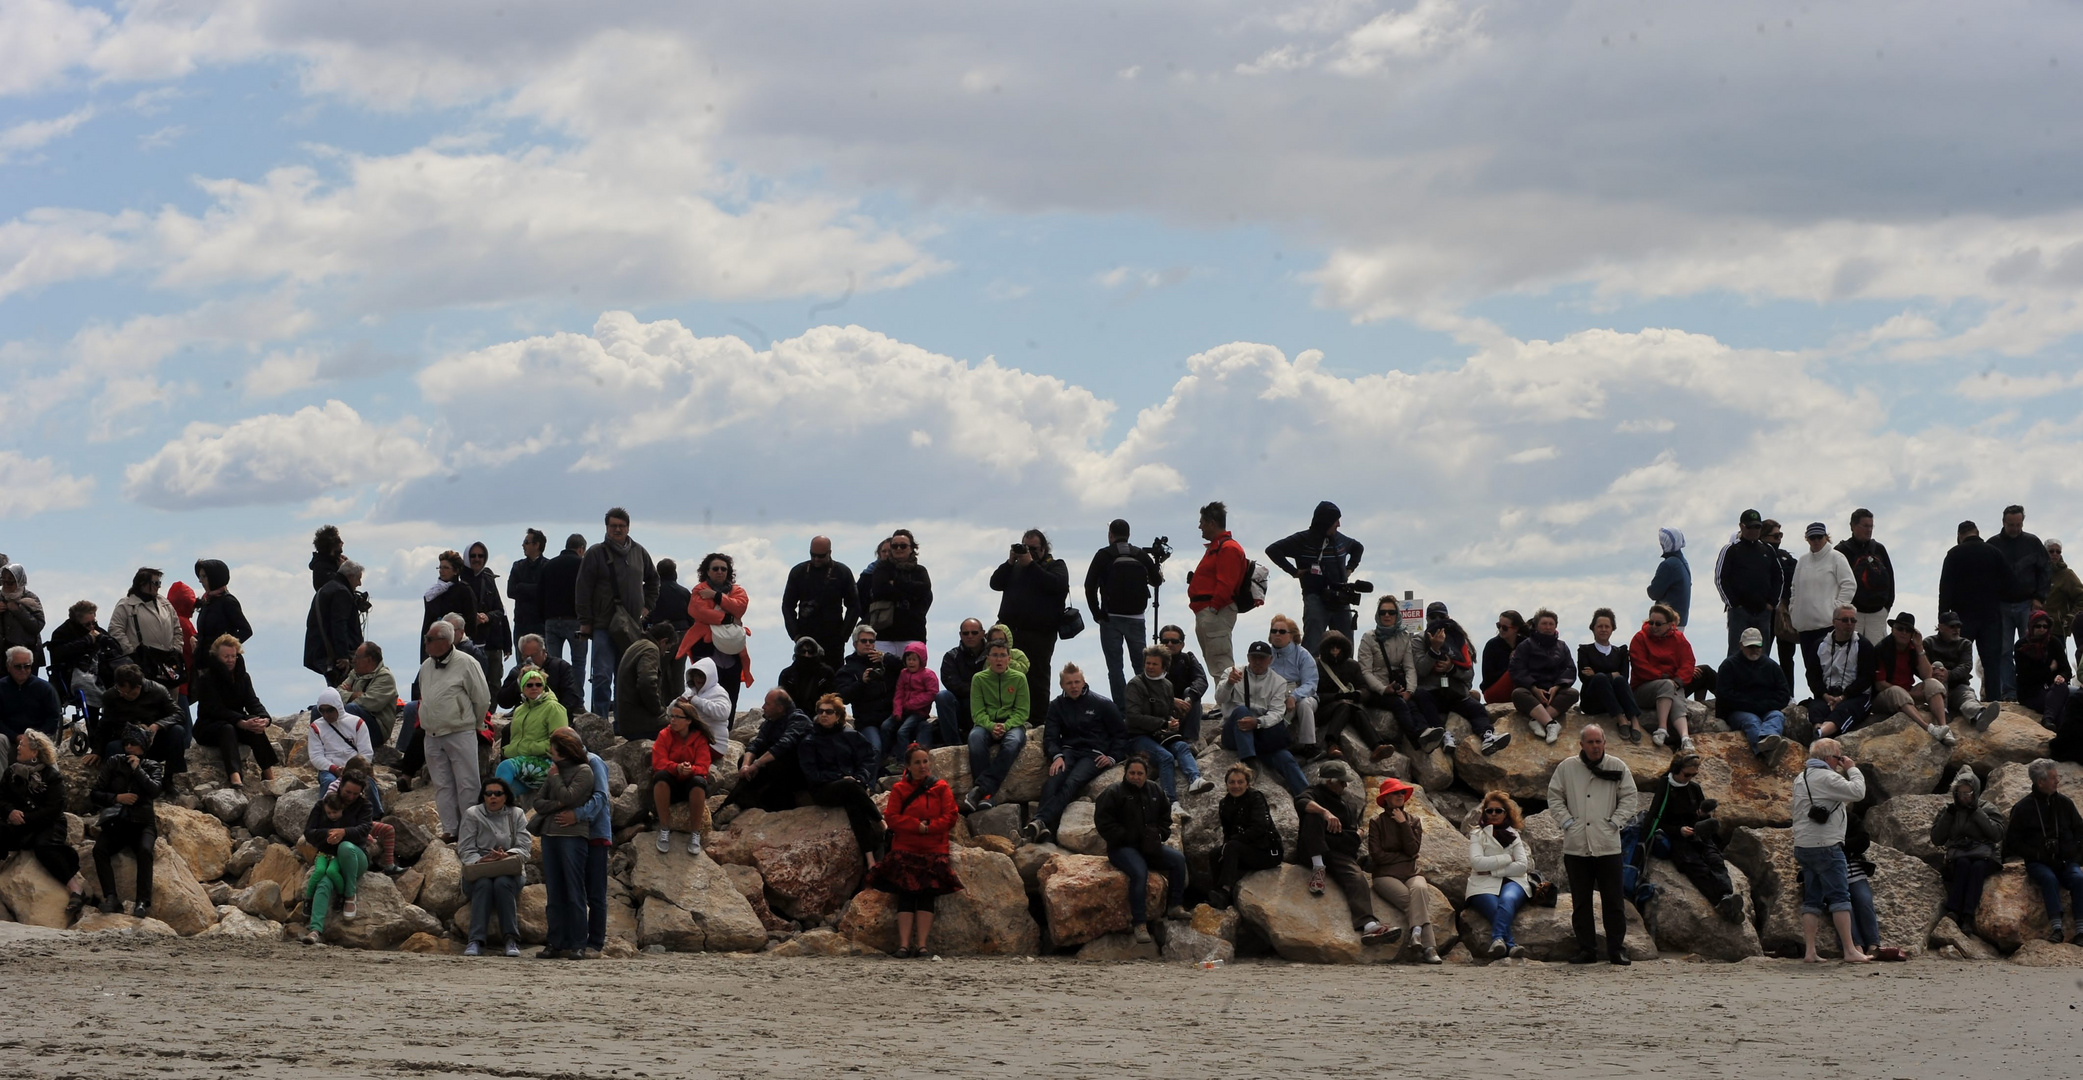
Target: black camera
{"x": 1160, "y": 549}
{"x": 361, "y": 601}
{"x": 1820, "y": 812}
{"x": 1349, "y": 593}
{"x": 1019, "y": 549}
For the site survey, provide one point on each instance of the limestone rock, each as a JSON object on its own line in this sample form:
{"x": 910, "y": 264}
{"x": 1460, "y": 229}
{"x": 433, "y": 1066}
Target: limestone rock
{"x": 177, "y": 899}
{"x": 1908, "y": 896}
{"x": 2047, "y": 954}
{"x": 409, "y": 884}
{"x": 227, "y": 805}
{"x": 823, "y": 942}
{"x": 1313, "y": 929}
{"x": 1209, "y": 935}
{"x": 292, "y": 811}
{"x": 1077, "y": 831}
{"x": 951, "y": 763}
{"x": 79, "y": 784}
{"x": 807, "y": 857}
{"x": 1004, "y": 820}
{"x": 383, "y": 919}
{"x": 92, "y": 921}
{"x": 2012, "y": 911}
{"x": 28, "y": 891}
{"x": 597, "y": 731}
{"x": 631, "y": 807}
{"x": 709, "y": 912}
{"x": 243, "y": 857}
{"x": 754, "y": 889}
{"x": 1029, "y": 859}
{"x": 1948, "y": 934}
{"x": 635, "y": 758}
{"x": 280, "y": 865}
{"x": 1548, "y": 935}
{"x": 1906, "y": 759}
{"x": 1685, "y": 921}
{"x": 233, "y": 923}
{"x": 1024, "y": 782}
{"x": 988, "y": 917}
{"x": 1118, "y": 947}
{"x": 219, "y": 893}
{"x": 1085, "y": 897}
{"x": 200, "y": 838}
{"x": 1904, "y": 823}
{"x": 262, "y": 899}
{"x": 428, "y": 945}
{"x": 2009, "y": 784}
{"x": 1201, "y": 839}
{"x": 441, "y": 881}
{"x": 260, "y": 814}
{"x": 2015, "y": 736}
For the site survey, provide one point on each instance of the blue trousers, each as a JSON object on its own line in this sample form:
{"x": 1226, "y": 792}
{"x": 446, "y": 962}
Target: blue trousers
{"x": 604, "y": 660}
{"x": 1500, "y": 909}
{"x": 987, "y": 771}
{"x": 915, "y": 728}
{"x": 1281, "y": 761}
{"x": 564, "y": 874}
{"x": 2051, "y": 880}
{"x": 947, "y": 716}
{"x": 2015, "y": 617}
{"x": 1170, "y": 863}
{"x": 1079, "y": 768}
{"x": 1755, "y": 727}
{"x": 1171, "y": 761}
{"x": 556, "y": 633}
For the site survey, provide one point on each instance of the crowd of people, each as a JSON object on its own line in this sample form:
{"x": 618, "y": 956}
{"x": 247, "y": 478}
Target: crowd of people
{"x": 859, "y": 705}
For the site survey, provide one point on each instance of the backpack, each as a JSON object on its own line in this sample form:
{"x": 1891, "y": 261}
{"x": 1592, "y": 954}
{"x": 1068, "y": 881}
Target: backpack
{"x": 1251, "y": 588}
{"x": 1875, "y": 580}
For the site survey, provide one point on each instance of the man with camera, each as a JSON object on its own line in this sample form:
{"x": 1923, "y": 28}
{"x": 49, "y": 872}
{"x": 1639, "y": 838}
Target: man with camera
{"x": 1323, "y": 560}
{"x": 333, "y": 628}
{"x": 821, "y": 600}
{"x": 2047, "y": 833}
{"x": 1117, "y": 592}
{"x": 1823, "y": 793}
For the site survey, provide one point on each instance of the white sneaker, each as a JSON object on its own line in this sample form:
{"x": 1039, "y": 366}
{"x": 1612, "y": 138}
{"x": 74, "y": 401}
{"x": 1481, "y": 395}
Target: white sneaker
{"x": 1554, "y": 731}
{"x": 1447, "y": 742}
{"x": 694, "y": 843}
{"x": 1944, "y": 734}
{"x": 1201, "y": 785}
{"x": 1658, "y": 737}
{"x": 1685, "y": 745}
{"x": 665, "y": 841}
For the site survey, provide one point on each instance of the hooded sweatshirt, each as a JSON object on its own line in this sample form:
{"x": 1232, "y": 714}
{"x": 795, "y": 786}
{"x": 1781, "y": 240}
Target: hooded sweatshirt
{"x": 1970, "y": 830}
{"x": 22, "y": 624}
{"x": 1542, "y": 661}
{"x": 915, "y": 689}
{"x": 334, "y": 743}
{"x": 809, "y": 677}
{"x": 1672, "y": 582}
{"x": 1320, "y": 559}
{"x": 220, "y": 614}
{"x": 711, "y": 703}
{"x": 1335, "y": 665}
{"x": 1669, "y": 657}
{"x": 528, "y": 734}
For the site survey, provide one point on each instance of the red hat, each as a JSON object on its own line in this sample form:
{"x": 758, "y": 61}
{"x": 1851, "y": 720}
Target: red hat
{"x": 1390, "y": 787}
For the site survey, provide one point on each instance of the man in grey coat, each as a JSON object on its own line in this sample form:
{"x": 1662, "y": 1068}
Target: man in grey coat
{"x": 615, "y": 574}
{"x": 1594, "y": 794}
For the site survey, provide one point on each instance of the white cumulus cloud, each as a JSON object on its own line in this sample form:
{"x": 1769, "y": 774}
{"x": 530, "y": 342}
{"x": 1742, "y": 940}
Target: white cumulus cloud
{"x": 278, "y": 458}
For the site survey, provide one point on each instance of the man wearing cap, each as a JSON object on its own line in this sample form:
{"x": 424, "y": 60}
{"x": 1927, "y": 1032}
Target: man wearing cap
{"x": 1593, "y": 793}
{"x": 1902, "y": 679}
{"x": 1842, "y": 683}
{"x": 1975, "y": 581}
{"x": 1253, "y": 700}
{"x": 1749, "y": 578}
{"x": 1753, "y": 691}
{"x": 2031, "y": 574}
{"x": 1823, "y": 582}
{"x": 1953, "y": 663}
{"x": 1330, "y": 840}
{"x": 1875, "y": 573}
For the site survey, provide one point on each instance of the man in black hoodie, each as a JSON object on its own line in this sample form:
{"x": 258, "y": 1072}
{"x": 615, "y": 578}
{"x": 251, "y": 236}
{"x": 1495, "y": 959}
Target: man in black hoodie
{"x": 1875, "y": 573}
{"x": 1750, "y": 579}
{"x": 557, "y": 593}
{"x": 1322, "y": 559}
{"x": 524, "y": 584}
{"x": 1976, "y": 581}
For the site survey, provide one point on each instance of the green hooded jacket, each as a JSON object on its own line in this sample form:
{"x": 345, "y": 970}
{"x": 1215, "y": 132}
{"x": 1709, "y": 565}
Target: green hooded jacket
{"x": 529, "y": 733}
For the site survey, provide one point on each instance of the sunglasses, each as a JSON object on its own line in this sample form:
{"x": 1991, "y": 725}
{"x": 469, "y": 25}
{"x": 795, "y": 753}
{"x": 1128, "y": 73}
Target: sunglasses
{"x": 827, "y": 712}
{"x": 1279, "y": 630}
{"x": 493, "y": 794}
{"x": 1659, "y": 623}
{"x": 900, "y": 547}
{"x": 1489, "y": 810}
{"x": 1171, "y": 641}
{"x": 972, "y": 633}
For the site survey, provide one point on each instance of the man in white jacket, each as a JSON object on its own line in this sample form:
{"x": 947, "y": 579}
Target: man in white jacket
{"x": 1823, "y": 794}
{"x": 1823, "y": 582}
{"x": 453, "y": 702}
{"x": 1594, "y": 795}
{"x": 1254, "y": 704}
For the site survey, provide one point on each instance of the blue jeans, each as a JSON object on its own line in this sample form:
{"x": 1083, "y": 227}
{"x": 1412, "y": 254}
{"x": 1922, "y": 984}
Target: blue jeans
{"x": 915, "y": 728}
{"x": 1499, "y": 910}
{"x": 2051, "y": 881}
{"x": 1755, "y": 727}
{"x": 494, "y": 895}
{"x": 985, "y": 771}
{"x": 1170, "y": 761}
{"x": 556, "y": 633}
{"x": 947, "y": 715}
{"x": 564, "y": 873}
{"x": 1824, "y": 886}
{"x": 1170, "y": 863}
{"x": 1119, "y": 633}
{"x": 2014, "y": 620}
{"x": 604, "y": 660}
{"x": 1320, "y": 614}
{"x": 1865, "y": 920}
{"x": 1741, "y": 619}
{"x": 1079, "y": 769}
{"x": 1246, "y": 744}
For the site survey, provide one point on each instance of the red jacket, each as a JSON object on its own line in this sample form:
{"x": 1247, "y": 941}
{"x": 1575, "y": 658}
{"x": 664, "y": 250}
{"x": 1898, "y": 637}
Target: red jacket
{"x": 935, "y": 807}
{"x": 707, "y": 613}
{"x": 1650, "y": 658}
{"x": 669, "y": 750}
{"x": 1216, "y": 579}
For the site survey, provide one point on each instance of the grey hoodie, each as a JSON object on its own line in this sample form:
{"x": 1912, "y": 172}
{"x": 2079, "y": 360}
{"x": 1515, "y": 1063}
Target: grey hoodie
{"x": 1970, "y": 831}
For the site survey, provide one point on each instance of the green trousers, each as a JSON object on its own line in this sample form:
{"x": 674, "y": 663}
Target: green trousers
{"x": 334, "y": 875}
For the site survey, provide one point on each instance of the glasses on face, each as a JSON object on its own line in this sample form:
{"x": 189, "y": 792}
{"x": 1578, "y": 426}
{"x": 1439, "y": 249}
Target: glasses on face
{"x": 900, "y": 547}
{"x": 827, "y": 712}
{"x": 1659, "y": 623}
{"x": 1493, "y": 811}
{"x": 1841, "y": 620}
{"x": 21, "y": 667}
{"x": 1171, "y": 641}
{"x": 1280, "y": 631}
{"x": 477, "y": 558}
{"x": 495, "y": 795}
{"x": 972, "y": 633}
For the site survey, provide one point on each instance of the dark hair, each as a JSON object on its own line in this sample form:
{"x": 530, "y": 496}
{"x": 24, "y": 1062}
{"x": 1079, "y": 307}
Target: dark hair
{"x": 668, "y": 568}
{"x": 613, "y": 513}
{"x": 537, "y": 536}
{"x": 1859, "y": 515}
{"x": 1768, "y": 525}
{"x": 2014, "y": 508}
{"x": 915, "y": 748}
{"x": 1117, "y": 529}
{"x": 906, "y": 534}
{"x": 1137, "y": 758}
{"x": 144, "y": 576}
{"x": 375, "y": 651}
{"x": 130, "y": 675}
{"x": 1517, "y": 621}
{"x": 1170, "y": 628}
{"x": 1965, "y": 528}
{"x": 326, "y": 541}
{"x": 1544, "y": 613}
{"x": 990, "y": 645}
{"x": 664, "y": 631}
{"x": 728, "y": 564}
{"x": 356, "y": 771}
{"x": 566, "y": 743}
{"x": 1603, "y": 613}
{"x": 575, "y": 542}
{"x": 503, "y": 786}
{"x": 1043, "y": 554}
{"x": 1217, "y": 513}
{"x": 335, "y": 804}
{"x": 455, "y": 559}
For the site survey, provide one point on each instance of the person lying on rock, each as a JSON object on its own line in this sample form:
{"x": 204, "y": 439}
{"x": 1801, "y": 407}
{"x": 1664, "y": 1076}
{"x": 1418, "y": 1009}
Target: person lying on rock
{"x": 1253, "y": 700}
{"x": 1393, "y": 840}
{"x": 1134, "y": 819}
{"x": 920, "y": 813}
{"x": 1330, "y": 840}
{"x": 1250, "y": 840}
{"x": 2047, "y": 833}
{"x": 494, "y": 830}
{"x": 1687, "y": 836}
{"x": 838, "y": 763}
{"x": 1969, "y": 833}
{"x": 124, "y": 790}
{"x": 1498, "y": 866}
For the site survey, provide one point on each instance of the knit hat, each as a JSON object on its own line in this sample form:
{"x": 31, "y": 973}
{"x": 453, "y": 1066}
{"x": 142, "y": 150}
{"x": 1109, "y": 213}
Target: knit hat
{"x": 1390, "y": 786}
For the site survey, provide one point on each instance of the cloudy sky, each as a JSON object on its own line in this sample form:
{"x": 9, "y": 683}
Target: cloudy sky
{"x": 1513, "y": 283}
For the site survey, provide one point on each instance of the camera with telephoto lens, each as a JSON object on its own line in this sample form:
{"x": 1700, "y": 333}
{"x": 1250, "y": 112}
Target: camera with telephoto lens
{"x": 1160, "y": 549}
{"x": 361, "y": 601}
{"x": 1349, "y": 593}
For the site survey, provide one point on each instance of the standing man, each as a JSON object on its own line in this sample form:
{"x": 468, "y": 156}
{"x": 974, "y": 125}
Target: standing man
{"x": 821, "y": 600}
{"x": 333, "y": 628}
{"x": 1322, "y": 559}
{"x": 1823, "y": 582}
{"x": 1596, "y": 794}
{"x": 2064, "y": 594}
{"x": 557, "y": 595}
{"x": 2031, "y": 574}
{"x": 524, "y": 584}
{"x": 1212, "y": 587}
{"x": 1974, "y": 581}
{"x": 1117, "y": 592}
{"x": 616, "y": 575}
{"x": 1875, "y": 574}
{"x": 1035, "y": 585}
{"x": 452, "y": 705}
{"x": 1749, "y": 578}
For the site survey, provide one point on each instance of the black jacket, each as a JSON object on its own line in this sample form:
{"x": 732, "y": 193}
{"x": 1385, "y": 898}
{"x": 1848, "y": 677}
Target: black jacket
{"x": 564, "y": 682}
{"x": 323, "y": 567}
{"x": 958, "y": 668}
{"x": 222, "y": 696}
{"x": 1335, "y": 664}
{"x": 154, "y": 705}
{"x": 1497, "y": 660}
{"x": 1674, "y": 807}
{"x": 355, "y": 818}
{"x": 809, "y": 677}
{"x": 2036, "y": 664}
{"x": 1247, "y": 819}
{"x": 1118, "y": 580}
{"x": 908, "y": 586}
{"x": 780, "y": 735}
{"x": 1034, "y": 594}
{"x": 118, "y": 778}
{"x": 1607, "y": 663}
{"x": 1752, "y": 576}
{"x": 1863, "y": 684}
{"x": 1319, "y": 558}
{"x": 1087, "y": 722}
{"x": 1756, "y": 686}
{"x": 459, "y": 598}
{"x": 73, "y": 650}
{"x": 1346, "y": 841}
{"x": 1874, "y": 571}
{"x": 524, "y": 588}
{"x": 869, "y": 685}
{"x": 1127, "y": 816}
{"x": 333, "y": 628}
{"x": 216, "y": 616}
{"x": 673, "y": 600}
{"x": 1975, "y": 581}
{"x": 2044, "y": 827}
{"x": 557, "y": 589}
{"x": 815, "y": 601}
{"x": 1189, "y": 679}
{"x": 495, "y": 633}
{"x": 835, "y": 753}
{"x": 39, "y": 793}
{"x": 2032, "y": 571}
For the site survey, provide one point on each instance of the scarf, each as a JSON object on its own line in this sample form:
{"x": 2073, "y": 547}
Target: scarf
{"x": 28, "y": 775}
{"x": 438, "y": 588}
{"x": 621, "y": 550}
{"x": 1602, "y": 773}
{"x": 1506, "y": 837}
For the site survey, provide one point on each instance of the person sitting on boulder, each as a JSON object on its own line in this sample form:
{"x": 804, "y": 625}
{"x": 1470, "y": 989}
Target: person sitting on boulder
{"x": 1388, "y": 656}
{"x": 32, "y": 813}
{"x": 1294, "y": 663}
{"x": 1134, "y": 819}
{"x": 336, "y": 828}
{"x": 1341, "y": 700}
{"x": 1542, "y": 672}
{"x": 707, "y": 703}
{"x": 838, "y": 764}
{"x": 1153, "y": 726}
{"x": 1687, "y": 836}
{"x": 1254, "y": 703}
{"x": 1393, "y": 840}
{"x": 867, "y": 679}
{"x": 998, "y": 707}
{"x": 2042, "y": 670}
{"x": 1498, "y": 864}
{"x": 918, "y": 688}
{"x": 228, "y": 715}
{"x": 919, "y": 814}
{"x": 1970, "y": 834}
{"x": 128, "y": 782}
{"x": 137, "y": 702}
{"x": 1663, "y": 672}
{"x": 2047, "y": 833}
{"x": 1189, "y": 681}
{"x": 769, "y": 776}
{"x": 680, "y": 774}
{"x": 1250, "y": 841}
{"x": 493, "y": 830}
{"x": 1084, "y": 736}
{"x": 1902, "y": 681}
{"x": 1330, "y": 840}
{"x": 1842, "y": 682}
{"x": 1593, "y": 793}
{"x": 1829, "y": 783}
{"x": 1603, "y": 666}
{"x": 808, "y": 677}
{"x": 1952, "y": 656}
{"x": 1446, "y": 671}
{"x": 1497, "y": 657}
{"x": 1752, "y": 694}
{"x": 336, "y": 737}
{"x": 526, "y": 758}
{"x": 357, "y": 784}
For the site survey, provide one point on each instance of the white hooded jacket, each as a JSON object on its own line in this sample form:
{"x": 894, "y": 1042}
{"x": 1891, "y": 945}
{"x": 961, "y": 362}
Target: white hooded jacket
{"x": 711, "y": 704}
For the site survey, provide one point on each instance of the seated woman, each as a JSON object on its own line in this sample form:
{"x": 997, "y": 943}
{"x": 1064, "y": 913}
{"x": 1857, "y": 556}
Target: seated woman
{"x": 1250, "y": 841}
{"x": 1541, "y": 677}
{"x": 680, "y": 760}
{"x": 1342, "y": 700}
{"x": 920, "y": 812}
{"x": 32, "y": 813}
{"x": 1444, "y": 672}
{"x": 493, "y": 830}
{"x": 1154, "y": 725}
{"x": 1393, "y": 840}
{"x": 1663, "y": 672}
{"x": 1688, "y": 837}
{"x": 1970, "y": 834}
{"x": 358, "y": 783}
{"x": 1134, "y": 819}
{"x": 337, "y": 826}
{"x": 1603, "y": 666}
{"x": 228, "y": 714}
{"x": 526, "y": 758}
{"x": 1498, "y": 862}
{"x": 128, "y": 782}
{"x": 2043, "y": 673}
{"x": 838, "y": 765}
{"x": 1497, "y": 657}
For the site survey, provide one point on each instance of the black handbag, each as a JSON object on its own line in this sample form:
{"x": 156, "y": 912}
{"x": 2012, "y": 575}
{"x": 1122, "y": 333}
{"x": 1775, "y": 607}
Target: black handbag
{"x": 1544, "y": 891}
{"x": 1071, "y": 624}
